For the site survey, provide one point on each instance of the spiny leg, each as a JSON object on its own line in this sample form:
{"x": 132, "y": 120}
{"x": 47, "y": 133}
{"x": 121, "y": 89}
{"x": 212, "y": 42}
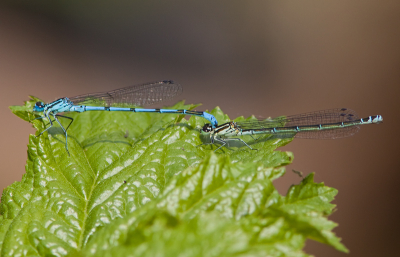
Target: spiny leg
{"x": 58, "y": 115}
{"x": 241, "y": 141}
{"x": 38, "y": 118}
{"x": 45, "y": 125}
{"x": 51, "y": 124}
{"x": 255, "y": 139}
{"x": 221, "y": 141}
{"x": 46, "y": 115}
{"x": 42, "y": 117}
{"x": 65, "y": 132}
{"x": 72, "y": 120}
{"x": 204, "y": 144}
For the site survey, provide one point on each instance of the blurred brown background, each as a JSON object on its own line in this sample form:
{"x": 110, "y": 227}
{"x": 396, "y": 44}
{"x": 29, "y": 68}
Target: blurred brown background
{"x": 249, "y": 57}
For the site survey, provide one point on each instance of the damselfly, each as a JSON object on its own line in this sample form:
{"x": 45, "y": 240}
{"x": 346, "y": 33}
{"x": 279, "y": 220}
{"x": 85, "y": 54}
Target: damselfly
{"x": 139, "y": 95}
{"x": 326, "y": 124}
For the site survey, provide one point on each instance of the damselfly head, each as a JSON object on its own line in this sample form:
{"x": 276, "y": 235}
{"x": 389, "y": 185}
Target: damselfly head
{"x": 207, "y": 128}
{"x": 39, "y": 107}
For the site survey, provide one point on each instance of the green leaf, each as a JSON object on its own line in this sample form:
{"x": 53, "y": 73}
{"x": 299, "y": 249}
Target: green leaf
{"x": 139, "y": 184}
{"x": 248, "y": 200}
{"x": 162, "y": 234}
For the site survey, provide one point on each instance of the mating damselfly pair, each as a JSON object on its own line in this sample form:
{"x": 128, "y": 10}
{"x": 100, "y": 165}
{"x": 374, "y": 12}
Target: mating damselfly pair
{"x": 327, "y": 124}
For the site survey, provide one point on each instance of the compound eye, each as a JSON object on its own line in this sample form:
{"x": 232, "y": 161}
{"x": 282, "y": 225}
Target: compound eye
{"x": 39, "y": 104}
{"x": 207, "y": 128}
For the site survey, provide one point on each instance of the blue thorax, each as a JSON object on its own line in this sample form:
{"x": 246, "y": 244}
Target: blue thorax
{"x": 59, "y": 105}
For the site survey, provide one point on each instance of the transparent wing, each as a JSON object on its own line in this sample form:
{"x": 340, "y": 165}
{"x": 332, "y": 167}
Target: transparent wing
{"x": 324, "y": 117}
{"x": 139, "y": 95}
